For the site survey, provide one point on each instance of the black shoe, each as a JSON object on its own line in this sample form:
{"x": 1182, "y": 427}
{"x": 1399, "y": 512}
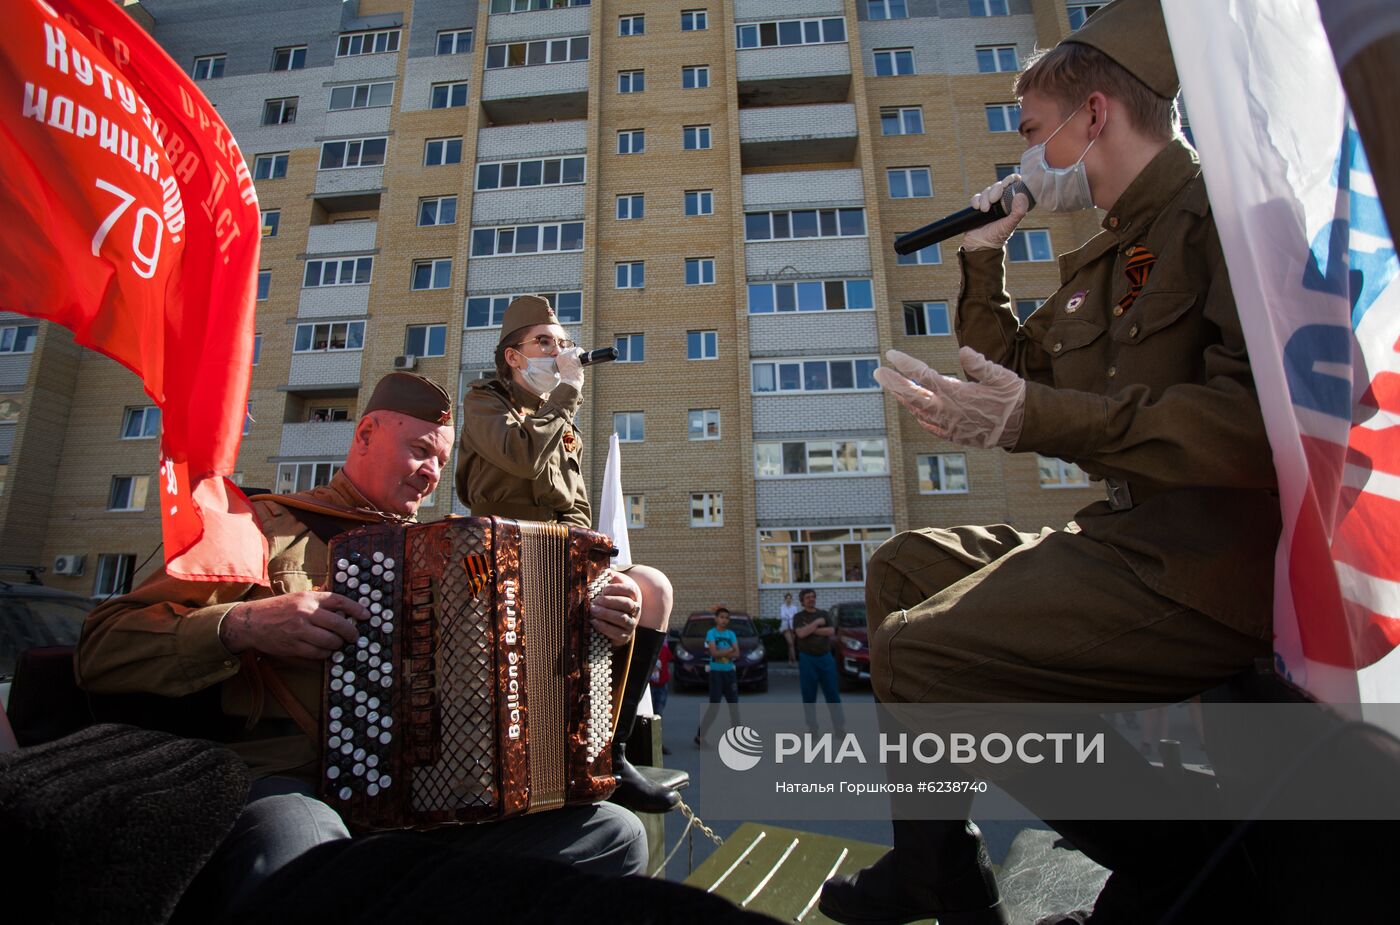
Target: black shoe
{"x": 941, "y": 871}
{"x": 634, "y": 791}
{"x": 665, "y": 750}
{"x": 638, "y": 794}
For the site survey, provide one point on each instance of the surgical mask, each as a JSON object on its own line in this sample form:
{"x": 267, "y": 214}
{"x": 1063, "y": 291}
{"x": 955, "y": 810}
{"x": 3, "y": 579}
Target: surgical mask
{"x": 1059, "y": 189}
{"x": 542, "y": 374}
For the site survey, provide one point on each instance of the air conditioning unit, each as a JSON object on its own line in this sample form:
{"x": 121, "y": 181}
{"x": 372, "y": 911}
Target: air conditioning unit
{"x": 68, "y": 565}
{"x": 406, "y": 361}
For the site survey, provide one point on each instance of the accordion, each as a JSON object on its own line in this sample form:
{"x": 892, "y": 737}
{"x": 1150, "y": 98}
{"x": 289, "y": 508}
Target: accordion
{"x": 478, "y": 689}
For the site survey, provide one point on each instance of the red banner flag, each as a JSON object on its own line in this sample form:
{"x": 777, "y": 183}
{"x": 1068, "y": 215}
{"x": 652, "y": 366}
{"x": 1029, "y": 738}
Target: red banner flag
{"x": 131, "y": 219}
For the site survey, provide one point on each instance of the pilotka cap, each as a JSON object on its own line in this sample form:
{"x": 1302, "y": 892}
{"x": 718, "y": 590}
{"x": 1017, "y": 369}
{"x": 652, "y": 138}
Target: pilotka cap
{"x": 1134, "y": 34}
{"x": 525, "y": 312}
{"x": 413, "y": 395}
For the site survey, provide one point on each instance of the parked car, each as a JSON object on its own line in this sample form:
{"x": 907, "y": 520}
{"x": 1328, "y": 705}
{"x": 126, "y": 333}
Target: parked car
{"x": 691, "y": 663}
{"x": 33, "y": 615}
{"x": 851, "y": 644}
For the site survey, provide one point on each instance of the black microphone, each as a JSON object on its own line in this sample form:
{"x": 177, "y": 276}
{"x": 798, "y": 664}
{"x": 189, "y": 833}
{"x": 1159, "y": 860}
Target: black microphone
{"x": 601, "y": 355}
{"x": 960, "y": 222}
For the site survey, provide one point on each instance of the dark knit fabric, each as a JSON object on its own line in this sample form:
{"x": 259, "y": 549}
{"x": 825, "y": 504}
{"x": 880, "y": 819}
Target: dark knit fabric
{"x": 110, "y": 824}
{"x": 405, "y": 877}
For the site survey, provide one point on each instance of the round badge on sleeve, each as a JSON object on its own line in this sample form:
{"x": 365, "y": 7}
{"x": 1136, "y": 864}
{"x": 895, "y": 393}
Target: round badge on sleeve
{"x": 570, "y": 442}
{"x": 1075, "y": 301}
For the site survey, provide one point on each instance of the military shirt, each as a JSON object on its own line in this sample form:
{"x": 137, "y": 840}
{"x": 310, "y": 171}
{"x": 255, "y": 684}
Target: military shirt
{"x": 521, "y": 457}
{"x": 163, "y": 637}
{"x": 1152, "y": 388}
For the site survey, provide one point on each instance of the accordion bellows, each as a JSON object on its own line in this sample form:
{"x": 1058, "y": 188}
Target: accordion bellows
{"x": 478, "y": 689}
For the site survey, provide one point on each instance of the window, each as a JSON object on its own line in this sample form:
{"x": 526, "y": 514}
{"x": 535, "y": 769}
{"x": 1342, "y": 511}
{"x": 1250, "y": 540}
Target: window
{"x": 18, "y": 338}
{"x": 432, "y": 274}
{"x": 361, "y": 152}
{"x": 248, "y": 421}
{"x": 523, "y": 6}
{"x": 128, "y": 493}
{"x": 695, "y": 78}
{"x": 707, "y": 509}
{"x": 631, "y": 348}
{"x": 269, "y": 166}
{"x": 631, "y": 25}
{"x": 1003, "y": 117}
{"x": 426, "y": 340}
{"x": 630, "y": 426}
{"x": 264, "y": 284}
{"x": 208, "y": 67}
{"x": 361, "y": 96}
{"x": 292, "y": 58}
{"x": 989, "y": 7}
{"x": 821, "y": 556}
{"x": 304, "y": 476}
{"x": 702, "y": 345}
{"x": 329, "y": 336}
{"x": 271, "y": 222}
{"x": 1006, "y": 170}
{"x": 820, "y": 458}
{"x": 348, "y": 271}
{"x": 114, "y": 571}
{"x": 943, "y": 474}
{"x": 791, "y": 32}
{"x": 806, "y": 375}
{"x": 490, "y": 311}
{"x": 367, "y": 43}
{"x": 527, "y": 239}
{"x": 696, "y": 137}
{"x": 894, "y": 62}
{"x": 280, "y": 112}
{"x": 631, "y": 207}
{"x": 806, "y": 223}
{"x": 257, "y": 348}
{"x": 636, "y": 511}
{"x": 902, "y": 120}
{"x": 926, "y": 255}
{"x": 886, "y": 9}
{"x": 449, "y": 96}
{"x": 1079, "y": 13}
{"x": 141, "y": 423}
{"x": 1029, "y": 246}
{"x": 454, "y": 42}
{"x": 811, "y": 296}
{"x": 926, "y": 318}
{"x": 992, "y": 59}
{"x": 440, "y": 151}
{"x": 327, "y": 414}
{"x": 631, "y": 81}
{"x": 549, "y": 171}
{"x": 543, "y": 51}
{"x": 695, "y": 20}
{"x": 441, "y": 210}
{"x": 631, "y": 141}
{"x": 699, "y": 202}
{"x": 699, "y": 271}
{"x": 632, "y": 275}
{"x": 1056, "y": 473}
{"x": 1024, "y": 308}
{"x": 909, "y": 182}
{"x": 703, "y": 424}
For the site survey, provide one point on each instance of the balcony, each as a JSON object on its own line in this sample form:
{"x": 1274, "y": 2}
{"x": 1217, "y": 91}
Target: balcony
{"x": 546, "y": 139}
{"x": 538, "y": 93}
{"x": 350, "y": 181}
{"x": 333, "y": 301}
{"x": 819, "y": 332}
{"x": 792, "y": 500}
{"x": 775, "y": 135}
{"x": 750, "y": 10}
{"x": 342, "y": 238}
{"x": 538, "y": 24}
{"x": 525, "y": 206}
{"x": 337, "y": 368}
{"x": 322, "y": 438}
{"x": 804, "y": 189}
{"x": 794, "y": 75}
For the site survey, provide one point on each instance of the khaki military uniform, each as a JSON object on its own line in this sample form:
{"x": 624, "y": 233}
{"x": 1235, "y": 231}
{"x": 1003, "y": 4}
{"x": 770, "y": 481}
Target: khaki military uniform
{"x": 1164, "y": 589}
{"x": 520, "y": 457}
{"x": 163, "y": 637}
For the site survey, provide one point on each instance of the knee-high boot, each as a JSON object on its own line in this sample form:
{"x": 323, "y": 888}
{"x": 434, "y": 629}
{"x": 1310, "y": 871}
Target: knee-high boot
{"x": 633, "y": 790}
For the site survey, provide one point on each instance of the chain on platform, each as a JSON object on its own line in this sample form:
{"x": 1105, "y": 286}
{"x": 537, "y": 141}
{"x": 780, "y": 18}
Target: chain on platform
{"x": 692, "y": 821}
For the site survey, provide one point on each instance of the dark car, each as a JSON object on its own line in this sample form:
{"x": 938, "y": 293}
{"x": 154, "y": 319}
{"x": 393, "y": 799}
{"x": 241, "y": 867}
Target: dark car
{"x": 31, "y": 616}
{"x": 851, "y": 645}
{"x": 691, "y": 663}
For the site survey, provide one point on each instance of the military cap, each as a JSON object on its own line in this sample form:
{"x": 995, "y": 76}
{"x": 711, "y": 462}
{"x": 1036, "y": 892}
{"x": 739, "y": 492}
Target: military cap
{"x": 412, "y": 395}
{"x": 525, "y": 312}
{"x": 1134, "y": 34}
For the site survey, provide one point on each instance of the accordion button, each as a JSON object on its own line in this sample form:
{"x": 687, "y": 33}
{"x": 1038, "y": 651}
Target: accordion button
{"x": 346, "y": 793}
{"x": 387, "y": 667}
{"x": 358, "y": 770}
{"x": 376, "y": 595}
{"x": 359, "y": 756}
{"x": 375, "y": 622}
{"x": 373, "y": 731}
{"x": 374, "y": 610}
{"x": 364, "y": 600}
{"x": 388, "y": 721}
{"x": 373, "y": 676}
{"x": 374, "y": 648}
{"x": 371, "y": 775}
{"x": 362, "y": 655}
{"x": 372, "y": 791}
{"x": 346, "y": 748}
{"x": 385, "y": 681}
{"x": 336, "y": 713}
{"x": 333, "y": 742}
{"x": 334, "y": 726}
{"x": 376, "y": 569}
{"x": 362, "y": 642}
{"x": 341, "y": 576}
{"x": 372, "y": 761}
{"x": 342, "y": 563}
{"x": 378, "y": 556}
{"x": 360, "y": 712}
{"x": 336, "y": 684}
{"x": 352, "y": 570}
{"x": 388, "y": 613}
{"x": 338, "y": 657}
{"x": 332, "y": 772}
{"x": 388, "y": 626}
{"x": 388, "y": 576}
{"x": 388, "y": 563}
{"x": 360, "y": 697}
{"x": 374, "y": 703}
{"x": 385, "y": 781}
{"x": 349, "y": 677}
{"x": 384, "y": 739}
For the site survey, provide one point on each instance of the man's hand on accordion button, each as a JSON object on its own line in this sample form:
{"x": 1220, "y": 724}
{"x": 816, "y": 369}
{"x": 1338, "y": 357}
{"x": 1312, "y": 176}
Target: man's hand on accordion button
{"x": 306, "y": 624}
{"x": 617, "y": 608}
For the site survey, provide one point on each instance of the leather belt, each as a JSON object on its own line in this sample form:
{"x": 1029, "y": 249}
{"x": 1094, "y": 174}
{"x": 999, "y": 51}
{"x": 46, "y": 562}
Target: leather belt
{"x": 1120, "y": 495}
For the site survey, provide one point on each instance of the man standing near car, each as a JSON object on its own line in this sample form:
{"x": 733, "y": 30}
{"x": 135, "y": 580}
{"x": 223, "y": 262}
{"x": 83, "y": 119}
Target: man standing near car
{"x": 722, "y": 644}
{"x": 816, "y": 666}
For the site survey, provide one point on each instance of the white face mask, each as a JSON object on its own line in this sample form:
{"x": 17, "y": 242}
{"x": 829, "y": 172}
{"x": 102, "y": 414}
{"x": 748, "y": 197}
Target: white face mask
{"x": 1059, "y": 189}
{"x": 542, "y": 374}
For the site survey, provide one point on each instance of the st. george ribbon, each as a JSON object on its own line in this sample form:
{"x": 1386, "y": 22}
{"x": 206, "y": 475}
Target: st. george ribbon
{"x": 601, "y": 355}
{"x": 960, "y": 222}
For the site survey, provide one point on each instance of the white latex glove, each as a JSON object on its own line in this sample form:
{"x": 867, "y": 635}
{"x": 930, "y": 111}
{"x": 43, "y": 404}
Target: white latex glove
{"x": 994, "y": 235}
{"x": 570, "y": 370}
{"x": 987, "y": 410}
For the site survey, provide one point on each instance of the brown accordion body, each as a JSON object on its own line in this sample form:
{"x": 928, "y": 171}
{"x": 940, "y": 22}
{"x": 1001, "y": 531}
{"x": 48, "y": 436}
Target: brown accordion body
{"x": 479, "y": 688}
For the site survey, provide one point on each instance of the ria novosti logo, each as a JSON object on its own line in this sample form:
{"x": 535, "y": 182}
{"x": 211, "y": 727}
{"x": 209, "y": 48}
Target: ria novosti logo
{"x": 740, "y": 748}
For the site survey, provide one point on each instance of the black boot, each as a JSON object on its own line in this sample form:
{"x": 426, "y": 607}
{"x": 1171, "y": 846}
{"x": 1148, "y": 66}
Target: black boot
{"x": 633, "y": 790}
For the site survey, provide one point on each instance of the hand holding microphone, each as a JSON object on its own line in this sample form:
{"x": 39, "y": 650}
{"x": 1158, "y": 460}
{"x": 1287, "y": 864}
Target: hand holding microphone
{"x": 570, "y": 369}
{"x": 995, "y": 234}
{"x": 995, "y": 211}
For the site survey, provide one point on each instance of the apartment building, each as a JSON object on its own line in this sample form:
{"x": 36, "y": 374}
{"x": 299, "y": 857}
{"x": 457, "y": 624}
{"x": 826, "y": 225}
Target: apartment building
{"x": 711, "y": 186}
